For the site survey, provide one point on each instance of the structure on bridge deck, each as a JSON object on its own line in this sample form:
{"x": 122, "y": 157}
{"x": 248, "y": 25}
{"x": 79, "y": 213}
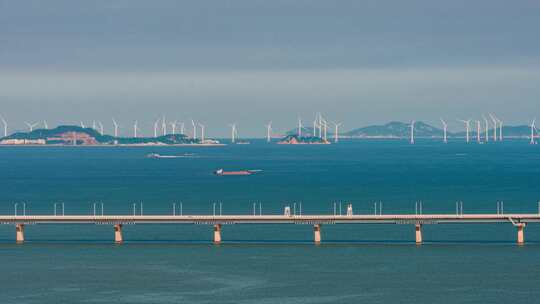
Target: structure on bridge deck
{"x": 418, "y": 220}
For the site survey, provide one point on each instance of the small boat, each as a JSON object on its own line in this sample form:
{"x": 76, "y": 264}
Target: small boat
{"x": 156, "y": 155}
{"x": 222, "y": 172}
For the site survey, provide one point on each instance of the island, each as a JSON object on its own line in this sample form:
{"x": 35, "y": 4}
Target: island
{"x": 75, "y": 136}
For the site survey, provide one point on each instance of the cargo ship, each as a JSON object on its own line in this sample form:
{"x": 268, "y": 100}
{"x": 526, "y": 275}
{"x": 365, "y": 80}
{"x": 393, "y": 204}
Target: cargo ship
{"x": 221, "y": 172}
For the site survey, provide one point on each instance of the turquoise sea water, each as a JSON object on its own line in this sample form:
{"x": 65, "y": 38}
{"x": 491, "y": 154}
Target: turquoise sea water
{"x": 272, "y": 263}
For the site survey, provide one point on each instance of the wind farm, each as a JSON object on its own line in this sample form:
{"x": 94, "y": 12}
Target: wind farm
{"x": 323, "y": 131}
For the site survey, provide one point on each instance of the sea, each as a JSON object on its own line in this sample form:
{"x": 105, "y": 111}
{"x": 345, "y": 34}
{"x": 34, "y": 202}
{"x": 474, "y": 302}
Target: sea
{"x": 362, "y": 263}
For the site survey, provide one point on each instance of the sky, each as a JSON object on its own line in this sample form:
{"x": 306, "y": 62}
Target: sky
{"x": 252, "y": 61}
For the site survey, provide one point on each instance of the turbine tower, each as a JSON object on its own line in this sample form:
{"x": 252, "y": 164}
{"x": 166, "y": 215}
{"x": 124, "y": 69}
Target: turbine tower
{"x": 445, "y": 130}
{"x": 486, "y": 126}
{"x": 336, "y": 131}
{"x": 173, "y": 127}
{"x": 135, "y": 129}
{"x": 299, "y": 127}
{"x": 234, "y": 132}
{"x": 82, "y": 125}
{"x": 478, "y": 130}
{"x": 182, "y": 128}
{"x": 156, "y": 123}
{"x": 494, "y": 120}
{"x": 115, "y": 127}
{"x": 45, "y": 125}
{"x": 100, "y": 127}
{"x": 269, "y": 132}
{"x": 467, "y": 128}
{"x": 412, "y": 132}
{"x": 164, "y": 126}
{"x": 532, "y": 142}
{"x": 194, "y": 129}
{"x": 31, "y": 125}
{"x": 93, "y": 124}
{"x": 202, "y": 132}
{"x": 4, "y": 122}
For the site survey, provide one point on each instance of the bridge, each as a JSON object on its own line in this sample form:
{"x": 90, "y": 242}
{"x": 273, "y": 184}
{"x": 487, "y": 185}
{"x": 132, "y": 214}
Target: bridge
{"x": 317, "y": 221}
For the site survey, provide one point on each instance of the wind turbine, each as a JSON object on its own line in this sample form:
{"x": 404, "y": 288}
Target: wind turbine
{"x": 486, "y": 125}
{"x": 194, "y": 129}
{"x": 500, "y": 129}
{"x": 100, "y": 127}
{"x": 115, "y": 127}
{"x": 182, "y": 128}
{"x": 532, "y": 131}
{"x": 269, "y": 132}
{"x": 45, "y": 125}
{"x": 467, "y": 127}
{"x": 4, "y": 122}
{"x": 93, "y": 124}
{"x": 445, "y": 130}
{"x": 299, "y": 127}
{"x": 31, "y": 125}
{"x": 164, "y": 126}
{"x": 173, "y": 126}
{"x": 234, "y": 132}
{"x": 494, "y": 120}
{"x": 412, "y": 132}
{"x": 336, "y": 131}
{"x": 82, "y": 125}
{"x": 156, "y": 123}
{"x": 135, "y": 129}
{"x": 478, "y": 127}
{"x": 202, "y": 132}
{"x": 315, "y": 128}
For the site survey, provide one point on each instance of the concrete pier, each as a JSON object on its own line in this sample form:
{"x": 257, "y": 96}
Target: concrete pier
{"x": 418, "y": 229}
{"x": 217, "y": 233}
{"x": 19, "y": 228}
{"x": 317, "y": 233}
{"x": 520, "y": 233}
{"x": 118, "y": 239}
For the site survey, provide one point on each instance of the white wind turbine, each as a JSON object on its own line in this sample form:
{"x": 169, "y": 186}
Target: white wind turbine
{"x": 412, "y": 132}
{"x": 445, "y": 130}
{"x": 315, "y": 128}
{"x": 164, "y": 126}
{"x": 135, "y": 129}
{"x": 494, "y": 120}
{"x": 93, "y": 124}
{"x": 325, "y": 130}
{"x": 100, "y": 127}
{"x": 45, "y": 125}
{"x": 156, "y": 123}
{"x": 486, "y": 126}
{"x": 194, "y": 129}
{"x": 336, "y": 131}
{"x": 202, "y": 132}
{"x": 116, "y": 126}
{"x": 533, "y": 127}
{"x": 182, "y": 128}
{"x": 82, "y": 125}
{"x": 467, "y": 128}
{"x": 173, "y": 126}
{"x": 500, "y": 129}
{"x": 269, "y": 132}
{"x": 299, "y": 127}
{"x": 234, "y": 132}
{"x": 478, "y": 131}
{"x": 31, "y": 125}
{"x": 4, "y": 122}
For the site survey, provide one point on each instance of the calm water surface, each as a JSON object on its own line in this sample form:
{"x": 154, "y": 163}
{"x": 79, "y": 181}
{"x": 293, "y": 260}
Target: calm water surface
{"x": 272, "y": 263}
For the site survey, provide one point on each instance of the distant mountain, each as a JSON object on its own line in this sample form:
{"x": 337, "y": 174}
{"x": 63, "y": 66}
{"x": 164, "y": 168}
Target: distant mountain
{"x": 395, "y": 129}
{"x": 66, "y": 135}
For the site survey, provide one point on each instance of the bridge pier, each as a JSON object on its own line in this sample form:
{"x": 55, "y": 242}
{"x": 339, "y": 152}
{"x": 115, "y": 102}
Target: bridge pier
{"x": 520, "y": 233}
{"x": 19, "y": 228}
{"x": 317, "y": 233}
{"x": 418, "y": 229}
{"x": 217, "y": 233}
{"x": 118, "y": 239}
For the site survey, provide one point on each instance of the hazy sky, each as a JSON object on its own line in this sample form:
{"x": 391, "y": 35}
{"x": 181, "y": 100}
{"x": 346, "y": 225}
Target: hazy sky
{"x": 359, "y": 62}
